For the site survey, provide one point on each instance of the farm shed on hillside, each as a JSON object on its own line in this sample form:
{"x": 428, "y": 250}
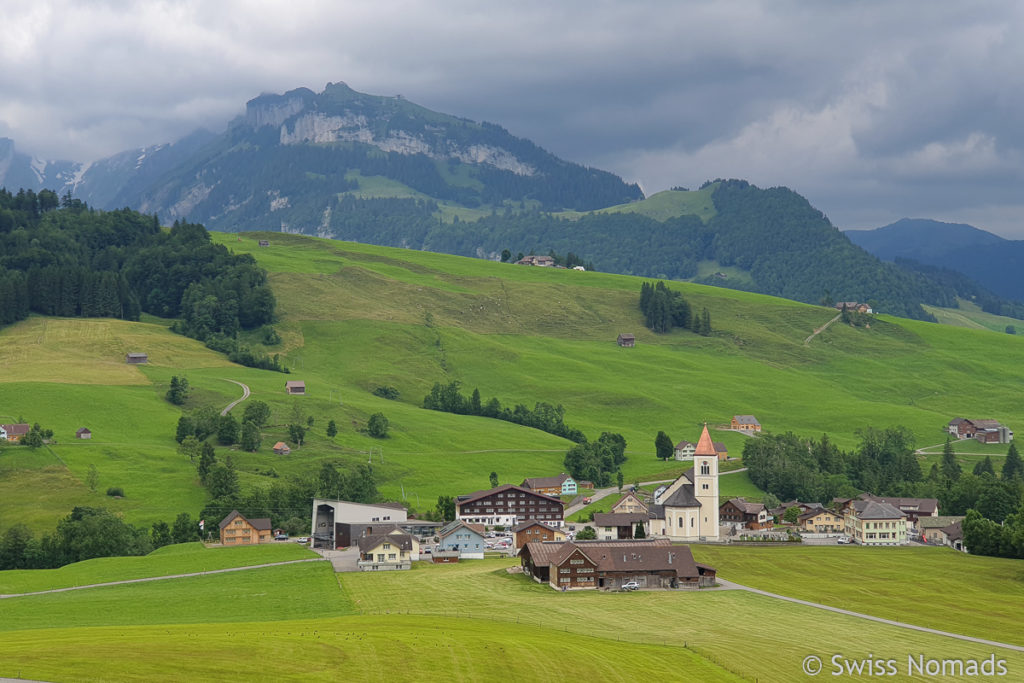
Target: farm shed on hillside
{"x": 626, "y": 340}
{"x": 136, "y": 358}
{"x": 295, "y": 387}
{"x": 83, "y": 433}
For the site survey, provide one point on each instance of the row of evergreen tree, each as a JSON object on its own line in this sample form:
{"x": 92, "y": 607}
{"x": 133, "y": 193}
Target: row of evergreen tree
{"x": 544, "y": 416}
{"x": 664, "y": 309}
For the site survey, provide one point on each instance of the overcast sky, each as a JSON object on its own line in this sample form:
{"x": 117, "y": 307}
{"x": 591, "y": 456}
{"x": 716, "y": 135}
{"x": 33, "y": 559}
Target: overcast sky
{"x": 872, "y": 110}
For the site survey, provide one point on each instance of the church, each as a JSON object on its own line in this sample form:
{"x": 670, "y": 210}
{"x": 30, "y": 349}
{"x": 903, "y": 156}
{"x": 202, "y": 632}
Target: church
{"x": 688, "y": 509}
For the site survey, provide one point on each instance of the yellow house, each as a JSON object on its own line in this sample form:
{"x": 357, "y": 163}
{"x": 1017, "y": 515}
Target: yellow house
{"x": 869, "y": 522}
{"x": 237, "y": 530}
{"x": 821, "y": 521}
{"x": 395, "y": 550}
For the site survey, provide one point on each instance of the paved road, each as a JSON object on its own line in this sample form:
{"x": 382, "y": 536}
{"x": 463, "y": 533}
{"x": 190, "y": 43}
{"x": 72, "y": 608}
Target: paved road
{"x": 245, "y": 395}
{"x": 729, "y": 585}
{"x": 159, "y": 578}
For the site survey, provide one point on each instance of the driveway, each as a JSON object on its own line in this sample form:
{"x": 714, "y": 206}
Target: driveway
{"x": 342, "y": 560}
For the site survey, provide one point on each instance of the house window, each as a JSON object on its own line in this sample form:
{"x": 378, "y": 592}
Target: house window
{"x": 563, "y": 570}
{"x": 387, "y": 546}
{"x": 692, "y": 520}
{"x": 564, "y": 579}
{"x": 391, "y": 556}
{"x": 575, "y": 561}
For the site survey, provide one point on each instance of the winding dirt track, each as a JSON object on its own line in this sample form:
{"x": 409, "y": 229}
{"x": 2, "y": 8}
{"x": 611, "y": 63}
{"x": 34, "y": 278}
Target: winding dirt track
{"x": 245, "y": 395}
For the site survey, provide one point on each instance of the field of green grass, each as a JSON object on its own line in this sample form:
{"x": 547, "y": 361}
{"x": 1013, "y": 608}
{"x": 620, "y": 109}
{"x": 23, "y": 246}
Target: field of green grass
{"x": 354, "y": 317}
{"x": 664, "y": 205}
{"x": 933, "y": 587}
{"x": 476, "y": 621}
{"x": 182, "y": 558}
{"x": 969, "y": 314}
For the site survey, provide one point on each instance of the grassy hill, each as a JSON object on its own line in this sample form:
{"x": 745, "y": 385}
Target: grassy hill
{"x": 664, "y": 205}
{"x": 355, "y": 317}
{"x": 476, "y": 621}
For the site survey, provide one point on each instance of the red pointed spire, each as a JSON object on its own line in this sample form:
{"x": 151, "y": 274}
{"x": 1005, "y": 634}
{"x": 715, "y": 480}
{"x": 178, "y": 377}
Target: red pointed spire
{"x": 705, "y": 446}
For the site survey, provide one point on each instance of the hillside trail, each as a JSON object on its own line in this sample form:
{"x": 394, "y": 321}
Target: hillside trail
{"x": 822, "y": 329}
{"x": 245, "y": 395}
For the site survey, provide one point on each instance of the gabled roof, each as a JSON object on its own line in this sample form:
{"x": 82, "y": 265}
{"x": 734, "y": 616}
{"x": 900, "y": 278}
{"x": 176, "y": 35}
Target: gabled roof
{"x": 83, "y": 430}
{"x": 746, "y": 420}
{"x": 986, "y": 424}
{"x": 814, "y": 512}
{"x": 685, "y": 444}
{"x": 295, "y": 384}
{"x": 921, "y": 506}
{"x": 20, "y": 429}
{"x": 873, "y": 509}
{"x": 627, "y": 496}
{"x": 260, "y": 524}
{"x": 955, "y": 531}
{"x": 401, "y": 541}
{"x": 720, "y": 447}
{"x": 938, "y": 522}
{"x": 619, "y": 518}
{"x": 746, "y": 507}
{"x": 644, "y": 555}
{"x": 451, "y": 527}
{"x": 501, "y": 489}
{"x": 545, "y": 482}
{"x": 532, "y": 522}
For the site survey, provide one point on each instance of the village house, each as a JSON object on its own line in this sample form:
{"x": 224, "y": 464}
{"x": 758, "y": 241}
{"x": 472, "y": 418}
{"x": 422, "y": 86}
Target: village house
{"x": 745, "y": 423}
{"x": 14, "y": 432}
{"x": 237, "y": 530}
{"x": 281, "y": 448}
{"x": 83, "y": 433}
{"x": 295, "y": 387}
{"x": 821, "y": 521}
{"x": 984, "y": 431}
{"x": 687, "y": 510}
{"x": 332, "y": 519}
{"x": 684, "y": 450}
{"x": 562, "y": 485}
{"x": 466, "y": 541}
{"x": 629, "y": 503}
{"x": 915, "y": 509}
{"x": 531, "y": 531}
{"x": 741, "y": 514}
{"x": 607, "y": 565}
{"x": 781, "y": 510}
{"x": 264, "y": 243}
{"x": 390, "y": 551}
{"x": 870, "y": 522}
{"x": 617, "y": 525}
{"x": 942, "y": 530}
{"x": 136, "y": 358}
{"x": 534, "y": 260}
{"x": 508, "y": 505}
{"x": 347, "y": 533}
{"x": 626, "y": 340}
{"x": 853, "y": 307}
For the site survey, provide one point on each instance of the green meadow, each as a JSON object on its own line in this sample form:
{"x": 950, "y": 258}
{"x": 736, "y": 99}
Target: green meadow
{"x": 475, "y": 620}
{"x": 354, "y": 317}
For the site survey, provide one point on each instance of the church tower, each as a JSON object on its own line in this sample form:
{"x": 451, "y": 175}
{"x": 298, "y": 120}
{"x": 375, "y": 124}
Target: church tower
{"x": 705, "y": 484}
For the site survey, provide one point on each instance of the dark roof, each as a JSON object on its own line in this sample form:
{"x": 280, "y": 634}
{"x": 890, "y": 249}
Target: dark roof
{"x": 746, "y": 507}
{"x": 681, "y": 498}
{"x": 684, "y": 444}
{"x": 939, "y": 521}
{"x": 501, "y": 489}
{"x": 813, "y": 512}
{"x": 958, "y": 421}
{"x": 20, "y": 429}
{"x": 720, "y": 447}
{"x": 295, "y": 383}
{"x": 638, "y": 555}
{"x": 922, "y": 506}
{"x": 873, "y": 509}
{"x": 532, "y": 522}
{"x": 401, "y": 541}
{"x": 955, "y": 531}
{"x": 619, "y": 518}
{"x": 260, "y": 524}
{"x": 746, "y": 419}
{"x": 986, "y": 424}
{"x": 545, "y": 482}
{"x": 626, "y": 335}
{"x": 83, "y": 430}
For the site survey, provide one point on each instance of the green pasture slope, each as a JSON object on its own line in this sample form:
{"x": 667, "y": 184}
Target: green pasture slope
{"x": 354, "y": 317}
{"x": 475, "y": 621}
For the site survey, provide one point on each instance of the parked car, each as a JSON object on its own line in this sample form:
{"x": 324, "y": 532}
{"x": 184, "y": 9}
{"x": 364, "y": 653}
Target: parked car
{"x": 572, "y": 527}
{"x": 426, "y": 549}
{"x": 843, "y": 540}
{"x": 281, "y": 537}
{"x": 302, "y": 539}
{"x": 630, "y": 586}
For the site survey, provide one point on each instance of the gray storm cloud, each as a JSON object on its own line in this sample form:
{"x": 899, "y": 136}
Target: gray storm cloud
{"x": 872, "y": 110}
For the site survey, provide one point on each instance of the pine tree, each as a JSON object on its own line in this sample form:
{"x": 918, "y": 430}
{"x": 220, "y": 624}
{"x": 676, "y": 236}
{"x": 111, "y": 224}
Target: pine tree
{"x": 332, "y": 429}
{"x": 984, "y": 467}
{"x": 663, "y": 446}
{"x": 950, "y": 467}
{"x": 1013, "y": 468}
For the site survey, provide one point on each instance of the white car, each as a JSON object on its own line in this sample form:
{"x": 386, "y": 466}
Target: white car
{"x": 631, "y": 586}
{"x": 843, "y": 540}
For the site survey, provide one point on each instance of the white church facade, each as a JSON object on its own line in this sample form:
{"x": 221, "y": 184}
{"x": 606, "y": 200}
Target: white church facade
{"x": 687, "y": 510}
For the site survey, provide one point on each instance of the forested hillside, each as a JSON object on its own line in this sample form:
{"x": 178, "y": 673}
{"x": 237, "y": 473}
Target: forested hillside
{"x": 59, "y": 257}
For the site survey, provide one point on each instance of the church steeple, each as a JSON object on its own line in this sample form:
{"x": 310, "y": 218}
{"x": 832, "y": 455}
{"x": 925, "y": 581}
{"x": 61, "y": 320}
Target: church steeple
{"x": 705, "y": 446}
